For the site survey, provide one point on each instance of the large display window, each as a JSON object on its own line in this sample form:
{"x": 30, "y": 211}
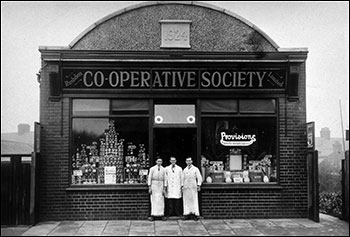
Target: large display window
{"x": 237, "y": 145}
{"x": 107, "y": 148}
{"x": 238, "y": 139}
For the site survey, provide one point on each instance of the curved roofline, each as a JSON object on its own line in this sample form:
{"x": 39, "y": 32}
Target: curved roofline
{"x": 146, "y": 4}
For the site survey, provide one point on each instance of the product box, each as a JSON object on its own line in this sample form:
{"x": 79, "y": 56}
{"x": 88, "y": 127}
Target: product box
{"x": 254, "y": 165}
{"x": 218, "y": 177}
{"x": 237, "y": 176}
{"x": 217, "y": 165}
{"x": 256, "y": 176}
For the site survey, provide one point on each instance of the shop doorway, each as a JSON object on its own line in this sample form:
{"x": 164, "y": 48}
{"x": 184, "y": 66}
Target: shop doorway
{"x": 178, "y": 142}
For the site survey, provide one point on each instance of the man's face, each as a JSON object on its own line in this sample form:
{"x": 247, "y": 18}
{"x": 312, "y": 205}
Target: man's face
{"x": 172, "y": 160}
{"x": 189, "y": 161}
{"x": 159, "y": 162}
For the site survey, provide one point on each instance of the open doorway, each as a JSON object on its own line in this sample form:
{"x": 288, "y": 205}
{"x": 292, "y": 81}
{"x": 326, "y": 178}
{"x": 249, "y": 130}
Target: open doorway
{"x": 178, "y": 142}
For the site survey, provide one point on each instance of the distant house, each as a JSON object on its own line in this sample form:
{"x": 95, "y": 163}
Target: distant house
{"x": 328, "y": 147}
{"x": 18, "y": 143}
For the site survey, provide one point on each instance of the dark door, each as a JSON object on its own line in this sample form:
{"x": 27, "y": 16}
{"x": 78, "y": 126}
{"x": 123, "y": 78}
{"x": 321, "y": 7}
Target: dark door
{"x": 15, "y": 189}
{"x": 313, "y": 202}
{"x": 178, "y": 142}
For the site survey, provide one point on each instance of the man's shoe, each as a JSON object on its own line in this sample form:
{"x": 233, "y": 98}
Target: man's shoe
{"x": 164, "y": 218}
{"x": 185, "y": 218}
{"x": 195, "y": 218}
{"x": 150, "y": 218}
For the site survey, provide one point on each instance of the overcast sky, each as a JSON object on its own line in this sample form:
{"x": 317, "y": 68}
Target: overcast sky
{"x": 322, "y": 27}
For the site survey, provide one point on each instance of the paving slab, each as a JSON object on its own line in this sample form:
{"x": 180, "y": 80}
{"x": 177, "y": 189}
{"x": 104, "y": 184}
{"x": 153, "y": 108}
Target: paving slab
{"x": 90, "y": 231}
{"x": 14, "y": 231}
{"x": 136, "y": 233}
{"x": 239, "y": 225}
{"x": 247, "y": 232}
{"x": 257, "y": 223}
{"x": 168, "y": 232}
{"x": 41, "y": 229}
{"x": 216, "y": 227}
{"x": 221, "y": 233}
{"x": 194, "y": 233}
{"x": 286, "y": 224}
{"x": 308, "y": 223}
{"x": 275, "y": 231}
{"x": 64, "y": 231}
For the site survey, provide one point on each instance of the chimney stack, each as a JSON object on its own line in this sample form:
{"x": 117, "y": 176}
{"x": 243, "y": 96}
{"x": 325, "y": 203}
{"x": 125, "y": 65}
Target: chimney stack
{"x": 23, "y": 128}
{"x": 326, "y": 133}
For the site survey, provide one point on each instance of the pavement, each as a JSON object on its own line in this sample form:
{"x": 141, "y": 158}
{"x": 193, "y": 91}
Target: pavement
{"x": 328, "y": 226}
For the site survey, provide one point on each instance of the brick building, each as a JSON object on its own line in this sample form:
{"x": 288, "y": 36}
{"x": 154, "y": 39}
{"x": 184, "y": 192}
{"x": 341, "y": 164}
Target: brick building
{"x": 174, "y": 78}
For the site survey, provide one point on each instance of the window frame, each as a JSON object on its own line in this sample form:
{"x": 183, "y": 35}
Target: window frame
{"x": 198, "y": 125}
{"x": 73, "y": 187}
{"x": 238, "y": 114}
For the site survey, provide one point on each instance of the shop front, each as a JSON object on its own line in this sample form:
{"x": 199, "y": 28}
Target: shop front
{"x": 118, "y": 97}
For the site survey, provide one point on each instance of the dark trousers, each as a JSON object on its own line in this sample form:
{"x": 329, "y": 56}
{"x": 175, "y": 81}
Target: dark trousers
{"x": 174, "y": 207}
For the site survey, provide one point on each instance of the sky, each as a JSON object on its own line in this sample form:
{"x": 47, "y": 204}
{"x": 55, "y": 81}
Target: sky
{"x": 322, "y": 27}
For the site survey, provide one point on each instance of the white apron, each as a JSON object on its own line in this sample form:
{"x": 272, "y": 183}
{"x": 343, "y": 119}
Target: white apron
{"x": 191, "y": 178}
{"x": 173, "y": 181}
{"x": 157, "y": 198}
{"x": 156, "y": 181}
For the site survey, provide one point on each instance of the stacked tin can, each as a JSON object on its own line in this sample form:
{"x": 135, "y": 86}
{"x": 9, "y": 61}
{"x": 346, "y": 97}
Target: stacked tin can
{"x": 112, "y": 153}
{"x": 143, "y": 161}
{"x": 120, "y": 162}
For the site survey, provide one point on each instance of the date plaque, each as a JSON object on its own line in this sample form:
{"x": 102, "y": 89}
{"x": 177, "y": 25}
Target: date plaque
{"x": 175, "y": 33}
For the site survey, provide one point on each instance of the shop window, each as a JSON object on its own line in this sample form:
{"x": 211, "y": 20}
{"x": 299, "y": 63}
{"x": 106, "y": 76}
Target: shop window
{"x": 82, "y": 107}
{"x": 219, "y": 106}
{"x": 182, "y": 114}
{"x": 257, "y": 106}
{"x": 109, "y": 150}
{"x": 239, "y": 150}
{"x": 130, "y": 107}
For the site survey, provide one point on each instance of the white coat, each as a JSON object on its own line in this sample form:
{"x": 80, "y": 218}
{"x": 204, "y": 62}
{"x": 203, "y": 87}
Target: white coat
{"x": 191, "y": 178}
{"x": 173, "y": 181}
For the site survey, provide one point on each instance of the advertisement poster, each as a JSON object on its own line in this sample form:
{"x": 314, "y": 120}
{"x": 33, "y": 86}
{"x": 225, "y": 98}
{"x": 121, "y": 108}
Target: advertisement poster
{"x": 310, "y": 135}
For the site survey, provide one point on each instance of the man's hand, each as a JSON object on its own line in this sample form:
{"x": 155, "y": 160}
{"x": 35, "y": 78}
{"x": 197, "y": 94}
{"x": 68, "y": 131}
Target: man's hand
{"x": 198, "y": 188}
{"x": 150, "y": 190}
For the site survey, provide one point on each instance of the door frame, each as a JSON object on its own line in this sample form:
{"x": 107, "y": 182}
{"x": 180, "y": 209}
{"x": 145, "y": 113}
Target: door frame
{"x": 197, "y": 126}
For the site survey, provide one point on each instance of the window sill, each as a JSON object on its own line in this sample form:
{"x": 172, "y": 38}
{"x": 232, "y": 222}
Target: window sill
{"x": 252, "y": 185}
{"x": 98, "y": 187}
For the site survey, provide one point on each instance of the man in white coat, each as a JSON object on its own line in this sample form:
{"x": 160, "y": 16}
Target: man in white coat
{"x": 173, "y": 188}
{"x": 156, "y": 188}
{"x": 192, "y": 181}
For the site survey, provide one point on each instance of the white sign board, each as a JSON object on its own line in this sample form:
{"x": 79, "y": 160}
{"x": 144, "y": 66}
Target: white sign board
{"x": 110, "y": 175}
{"x": 235, "y": 162}
{"x": 175, "y": 33}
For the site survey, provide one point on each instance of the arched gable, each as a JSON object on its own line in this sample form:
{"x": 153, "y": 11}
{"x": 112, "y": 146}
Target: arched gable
{"x": 137, "y": 28}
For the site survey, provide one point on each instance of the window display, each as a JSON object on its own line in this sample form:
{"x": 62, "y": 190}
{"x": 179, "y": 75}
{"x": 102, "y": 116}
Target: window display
{"x": 108, "y": 150}
{"x": 115, "y": 159}
{"x": 239, "y": 149}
